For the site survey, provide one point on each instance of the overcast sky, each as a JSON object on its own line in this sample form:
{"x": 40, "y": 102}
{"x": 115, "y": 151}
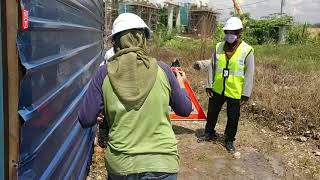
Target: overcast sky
{"x": 302, "y": 10}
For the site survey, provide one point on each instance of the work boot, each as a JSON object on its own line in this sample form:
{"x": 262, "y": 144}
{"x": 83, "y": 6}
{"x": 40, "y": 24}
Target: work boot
{"x": 230, "y": 147}
{"x": 207, "y": 137}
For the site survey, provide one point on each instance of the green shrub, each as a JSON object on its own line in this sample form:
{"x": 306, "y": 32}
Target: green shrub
{"x": 218, "y": 35}
{"x": 298, "y": 34}
{"x": 256, "y": 32}
{"x": 265, "y": 30}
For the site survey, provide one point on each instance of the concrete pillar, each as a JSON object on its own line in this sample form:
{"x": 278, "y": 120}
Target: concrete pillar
{"x": 282, "y": 34}
{"x": 149, "y": 20}
{"x": 170, "y": 18}
{"x": 178, "y": 23}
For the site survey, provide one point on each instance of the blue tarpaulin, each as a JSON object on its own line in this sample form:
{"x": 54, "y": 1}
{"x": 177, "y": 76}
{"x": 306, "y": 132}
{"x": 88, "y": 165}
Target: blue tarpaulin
{"x": 59, "y": 52}
{"x": 184, "y": 15}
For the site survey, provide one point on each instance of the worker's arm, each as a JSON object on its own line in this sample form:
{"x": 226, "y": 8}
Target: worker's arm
{"x": 211, "y": 72}
{"x": 179, "y": 99}
{"x": 207, "y": 64}
{"x": 248, "y": 76}
{"x": 92, "y": 104}
{"x": 202, "y": 64}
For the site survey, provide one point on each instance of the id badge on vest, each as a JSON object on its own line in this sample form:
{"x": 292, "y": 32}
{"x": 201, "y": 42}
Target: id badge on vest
{"x": 225, "y": 73}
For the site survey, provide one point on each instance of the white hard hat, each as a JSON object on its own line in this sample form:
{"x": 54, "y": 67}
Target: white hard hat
{"x": 126, "y": 21}
{"x": 233, "y": 23}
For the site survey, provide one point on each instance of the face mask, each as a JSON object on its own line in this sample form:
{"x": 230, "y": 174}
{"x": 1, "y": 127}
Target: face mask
{"x": 231, "y": 38}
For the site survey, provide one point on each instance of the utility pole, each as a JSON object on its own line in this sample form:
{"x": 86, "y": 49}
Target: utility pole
{"x": 282, "y": 29}
{"x": 237, "y": 7}
{"x": 282, "y": 6}
{"x": 170, "y": 17}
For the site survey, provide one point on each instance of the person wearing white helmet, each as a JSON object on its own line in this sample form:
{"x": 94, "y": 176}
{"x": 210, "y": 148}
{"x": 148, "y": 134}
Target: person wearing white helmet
{"x": 231, "y": 73}
{"x": 134, "y": 91}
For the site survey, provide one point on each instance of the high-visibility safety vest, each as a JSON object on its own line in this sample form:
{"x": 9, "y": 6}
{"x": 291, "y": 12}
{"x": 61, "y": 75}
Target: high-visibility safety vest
{"x": 229, "y": 74}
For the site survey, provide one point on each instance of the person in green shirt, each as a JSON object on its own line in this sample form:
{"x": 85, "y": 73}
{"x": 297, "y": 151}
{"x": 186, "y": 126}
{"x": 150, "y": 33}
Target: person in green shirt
{"x": 134, "y": 91}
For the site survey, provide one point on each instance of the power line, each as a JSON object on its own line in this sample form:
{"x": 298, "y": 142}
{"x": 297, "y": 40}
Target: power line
{"x": 273, "y": 9}
{"x": 243, "y": 5}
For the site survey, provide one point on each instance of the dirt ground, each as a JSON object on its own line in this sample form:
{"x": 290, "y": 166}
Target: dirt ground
{"x": 264, "y": 155}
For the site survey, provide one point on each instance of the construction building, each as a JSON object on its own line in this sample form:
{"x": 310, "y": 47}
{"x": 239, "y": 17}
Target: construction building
{"x": 185, "y": 18}
{"x": 202, "y": 21}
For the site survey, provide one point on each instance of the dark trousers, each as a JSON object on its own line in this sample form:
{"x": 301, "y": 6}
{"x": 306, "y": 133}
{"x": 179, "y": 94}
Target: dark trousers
{"x": 145, "y": 176}
{"x": 233, "y": 113}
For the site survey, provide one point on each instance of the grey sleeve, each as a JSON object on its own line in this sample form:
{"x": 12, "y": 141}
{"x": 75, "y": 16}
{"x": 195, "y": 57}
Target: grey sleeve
{"x": 248, "y": 75}
{"x": 211, "y": 71}
{"x": 203, "y": 64}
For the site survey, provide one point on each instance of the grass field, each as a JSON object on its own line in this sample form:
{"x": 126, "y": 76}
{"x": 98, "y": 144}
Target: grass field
{"x": 287, "y": 81}
{"x": 286, "y": 98}
{"x": 287, "y": 85}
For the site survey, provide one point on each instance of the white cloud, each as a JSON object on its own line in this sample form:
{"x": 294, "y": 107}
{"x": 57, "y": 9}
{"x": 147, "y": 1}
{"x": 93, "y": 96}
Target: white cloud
{"x": 302, "y": 10}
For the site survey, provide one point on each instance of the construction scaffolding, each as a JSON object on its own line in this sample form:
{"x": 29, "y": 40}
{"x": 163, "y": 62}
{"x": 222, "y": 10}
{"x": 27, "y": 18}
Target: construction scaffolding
{"x": 148, "y": 12}
{"x": 174, "y": 16}
{"x": 202, "y": 21}
{"x": 199, "y": 21}
{"x": 111, "y": 12}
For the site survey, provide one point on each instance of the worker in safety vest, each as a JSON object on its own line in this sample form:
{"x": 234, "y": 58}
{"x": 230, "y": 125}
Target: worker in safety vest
{"x": 231, "y": 80}
{"x": 134, "y": 91}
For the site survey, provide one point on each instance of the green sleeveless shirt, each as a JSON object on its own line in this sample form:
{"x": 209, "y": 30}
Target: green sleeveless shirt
{"x": 141, "y": 141}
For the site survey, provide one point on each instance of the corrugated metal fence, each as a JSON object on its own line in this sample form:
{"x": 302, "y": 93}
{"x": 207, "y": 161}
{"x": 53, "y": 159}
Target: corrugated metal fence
{"x": 59, "y": 51}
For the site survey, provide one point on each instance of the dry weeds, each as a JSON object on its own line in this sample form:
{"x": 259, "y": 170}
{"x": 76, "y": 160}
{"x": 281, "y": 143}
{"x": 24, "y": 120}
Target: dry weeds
{"x": 314, "y": 32}
{"x": 285, "y": 99}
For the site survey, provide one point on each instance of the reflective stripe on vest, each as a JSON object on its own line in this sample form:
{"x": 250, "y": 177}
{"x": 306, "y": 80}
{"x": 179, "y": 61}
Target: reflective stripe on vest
{"x": 232, "y": 85}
